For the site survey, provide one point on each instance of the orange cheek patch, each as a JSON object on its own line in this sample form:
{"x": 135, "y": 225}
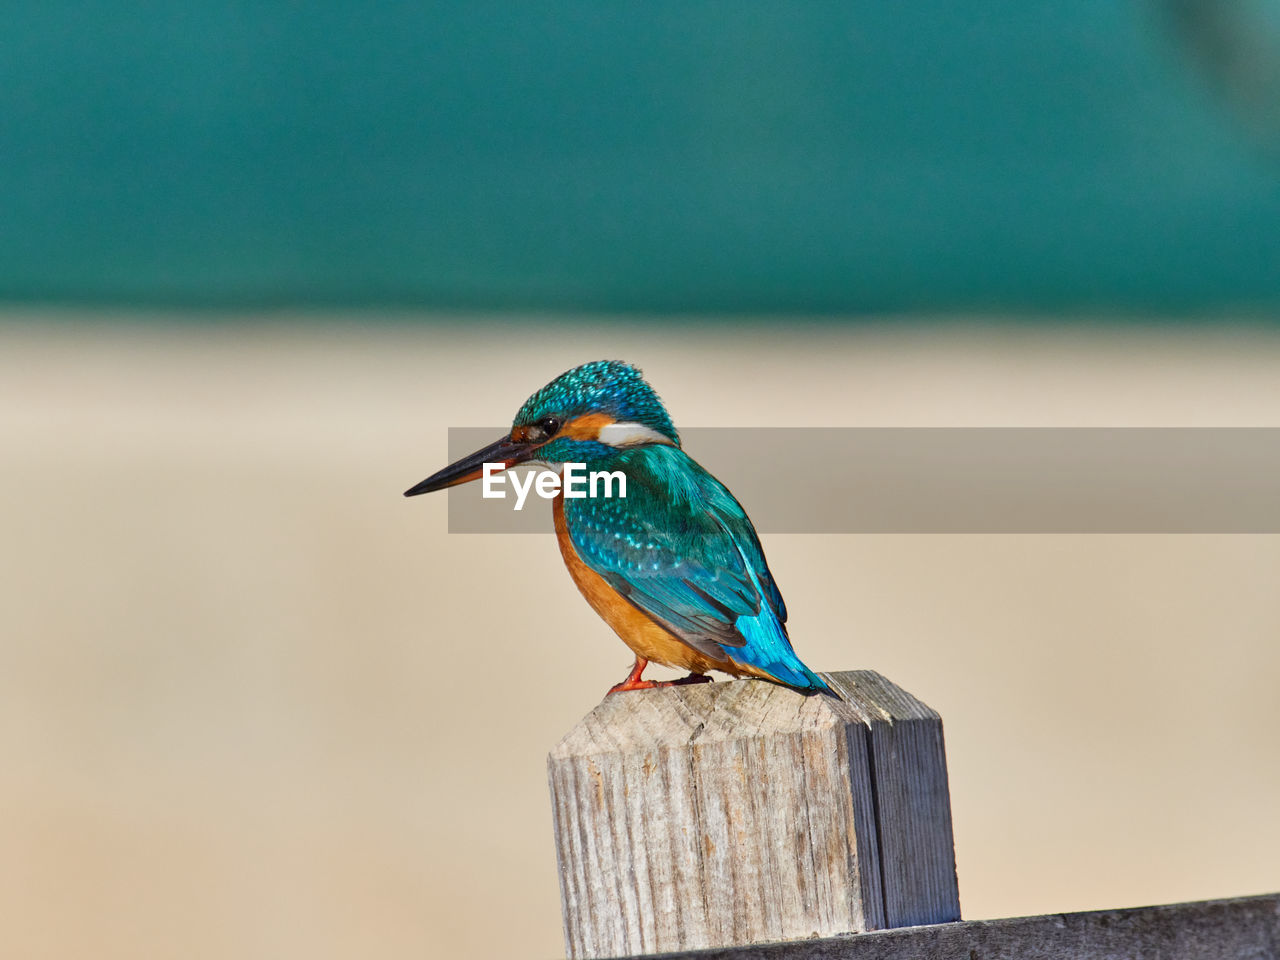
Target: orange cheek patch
{"x": 586, "y": 427}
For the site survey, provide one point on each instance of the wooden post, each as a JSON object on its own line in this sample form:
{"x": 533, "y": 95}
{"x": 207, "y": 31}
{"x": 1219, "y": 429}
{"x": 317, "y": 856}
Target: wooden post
{"x": 732, "y": 813}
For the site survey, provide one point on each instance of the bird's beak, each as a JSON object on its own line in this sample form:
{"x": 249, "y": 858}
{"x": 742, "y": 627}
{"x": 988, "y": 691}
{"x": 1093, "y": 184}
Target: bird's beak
{"x": 506, "y": 451}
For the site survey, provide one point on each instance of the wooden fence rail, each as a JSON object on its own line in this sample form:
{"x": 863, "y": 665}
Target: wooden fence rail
{"x": 1242, "y": 929}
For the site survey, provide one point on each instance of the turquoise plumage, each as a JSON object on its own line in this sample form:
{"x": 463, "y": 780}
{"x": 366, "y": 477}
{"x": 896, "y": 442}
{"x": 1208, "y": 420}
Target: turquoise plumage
{"x": 678, "y": 548}
{"x": 681, "y": 548}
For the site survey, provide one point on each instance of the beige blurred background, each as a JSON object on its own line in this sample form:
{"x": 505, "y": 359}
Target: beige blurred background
{"x": 255, "y": 704}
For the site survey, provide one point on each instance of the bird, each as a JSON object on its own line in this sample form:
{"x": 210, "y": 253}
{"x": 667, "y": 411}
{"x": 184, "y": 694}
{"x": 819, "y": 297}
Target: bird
{"x": 675, "y": 565}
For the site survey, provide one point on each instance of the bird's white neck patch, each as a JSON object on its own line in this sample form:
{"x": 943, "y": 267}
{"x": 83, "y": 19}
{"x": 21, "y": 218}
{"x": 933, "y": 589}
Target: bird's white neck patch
{"x": 630, "y": 434}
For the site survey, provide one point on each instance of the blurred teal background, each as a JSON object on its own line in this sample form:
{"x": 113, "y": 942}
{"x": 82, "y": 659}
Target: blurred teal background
{"x": 755, "y": 156}
{"x": 255, "y": 704}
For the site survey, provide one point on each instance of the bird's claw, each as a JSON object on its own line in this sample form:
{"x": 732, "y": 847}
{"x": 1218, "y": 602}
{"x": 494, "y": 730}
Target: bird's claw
{"x": 634, "y": 683}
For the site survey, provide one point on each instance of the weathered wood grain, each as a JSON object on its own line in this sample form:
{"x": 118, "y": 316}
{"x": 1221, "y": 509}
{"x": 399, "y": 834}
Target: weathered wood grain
{"x": 1246, "y": 928}
{"x": 734, "y": 813}
{"x": 913, "y": 801}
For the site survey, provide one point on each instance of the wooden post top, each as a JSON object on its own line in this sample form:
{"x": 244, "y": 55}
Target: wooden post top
{"x": 736, "y": 710}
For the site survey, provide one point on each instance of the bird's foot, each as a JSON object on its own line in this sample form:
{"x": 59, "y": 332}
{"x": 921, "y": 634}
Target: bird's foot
{"x": 633, "y": 681}
{"x": 629, "y": 684}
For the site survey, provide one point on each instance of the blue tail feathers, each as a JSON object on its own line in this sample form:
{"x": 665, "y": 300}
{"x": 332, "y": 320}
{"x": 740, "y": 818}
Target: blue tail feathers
{"x": 768, "y": 649}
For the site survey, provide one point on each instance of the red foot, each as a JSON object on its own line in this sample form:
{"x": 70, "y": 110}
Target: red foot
{"x": 634, "y": 682}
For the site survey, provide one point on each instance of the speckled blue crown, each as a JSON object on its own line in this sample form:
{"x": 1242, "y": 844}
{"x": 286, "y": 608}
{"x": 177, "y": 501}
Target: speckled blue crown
{"x": 603, "y": 386}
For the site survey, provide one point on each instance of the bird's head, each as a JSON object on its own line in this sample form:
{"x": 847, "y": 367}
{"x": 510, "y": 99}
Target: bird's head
{"x": 580, "y": 416}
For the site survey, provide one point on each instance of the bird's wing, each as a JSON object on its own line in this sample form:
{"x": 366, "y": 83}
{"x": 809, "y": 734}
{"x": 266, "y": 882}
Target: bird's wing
{"x": 678, "y": 546}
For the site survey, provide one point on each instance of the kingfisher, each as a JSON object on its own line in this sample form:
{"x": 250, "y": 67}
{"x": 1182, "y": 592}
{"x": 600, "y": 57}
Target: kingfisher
{"x": 675, "y": 566}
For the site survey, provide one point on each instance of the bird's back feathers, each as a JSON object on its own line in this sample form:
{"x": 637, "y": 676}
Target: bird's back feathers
{"x": 682, "y": 549}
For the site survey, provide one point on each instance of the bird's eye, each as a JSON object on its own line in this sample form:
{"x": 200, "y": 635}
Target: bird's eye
{"x": 542, "y": 430}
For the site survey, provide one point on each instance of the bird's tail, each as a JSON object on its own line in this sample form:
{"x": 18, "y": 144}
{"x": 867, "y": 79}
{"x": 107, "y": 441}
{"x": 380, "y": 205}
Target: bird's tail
{"x": 768, "y": 650}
